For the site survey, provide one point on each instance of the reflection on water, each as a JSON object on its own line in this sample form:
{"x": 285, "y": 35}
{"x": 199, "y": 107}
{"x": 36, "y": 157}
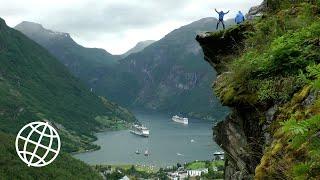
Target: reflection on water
{"x": 168, "y": 144}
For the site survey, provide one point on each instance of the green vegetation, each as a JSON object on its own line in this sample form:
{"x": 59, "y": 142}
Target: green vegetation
{"x": 211, "y": 165}
{"x": 304, "y": 138}
{"x": 280, "y": 47}
{"x": 167, "y": 76}
{"x": 132, "y": 171}
{"x": 79, "y": 60}
{"x": 279, "y": 67}
{"x": 136, "y": 171}
{"x": 196, "y": 165}
{"x": 34, "y": 86}
{"x": 113, "y": 124}
{"x": 64, "y": 167}
{"x": 146, "y": 169}
{"x": 205, "y": 164}
{"x": 173, "y": 76}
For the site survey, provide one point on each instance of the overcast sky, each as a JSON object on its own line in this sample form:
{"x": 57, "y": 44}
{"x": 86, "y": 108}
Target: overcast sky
{"x": 116, "y": 25}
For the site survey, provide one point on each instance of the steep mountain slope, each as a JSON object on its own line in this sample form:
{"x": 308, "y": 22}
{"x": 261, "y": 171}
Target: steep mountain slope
{"x": 138, "y": 47}
{"x": 269, "y": 75}
{"x": 80, "y": 60}
{"x": 164, "y": 76}
{"x": 171, "y": 74}
{"x": 35, "y": 86}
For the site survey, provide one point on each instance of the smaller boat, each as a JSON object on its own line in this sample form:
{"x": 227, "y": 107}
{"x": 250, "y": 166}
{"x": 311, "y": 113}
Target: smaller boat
{"x": 138, "y": 152}
{"x": 146, "y": 153}
{"x": 192, "y": 141}
{"x": 181, "y": 120}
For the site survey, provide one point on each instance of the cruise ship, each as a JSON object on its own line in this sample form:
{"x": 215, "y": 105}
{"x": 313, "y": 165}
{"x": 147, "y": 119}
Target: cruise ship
{"x": 180, "y": 119}
{"x": 140, "y": 130}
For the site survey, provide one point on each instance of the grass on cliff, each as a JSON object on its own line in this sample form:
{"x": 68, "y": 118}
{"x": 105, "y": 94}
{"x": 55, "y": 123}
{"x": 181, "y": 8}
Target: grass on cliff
{"x": 280, "y": 65}
{"x": 281, "y": 47}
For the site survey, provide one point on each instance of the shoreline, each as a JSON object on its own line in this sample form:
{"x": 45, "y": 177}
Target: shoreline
{"x": 85, "y": 154}
{"x": 95, "y": 139}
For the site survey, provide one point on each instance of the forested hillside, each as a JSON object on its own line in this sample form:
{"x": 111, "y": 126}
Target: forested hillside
{"x": 35, "y": 86}
{"x": 64, "y": 167}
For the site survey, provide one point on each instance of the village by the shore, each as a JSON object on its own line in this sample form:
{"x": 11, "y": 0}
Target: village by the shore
{"x": 208, "y": 169}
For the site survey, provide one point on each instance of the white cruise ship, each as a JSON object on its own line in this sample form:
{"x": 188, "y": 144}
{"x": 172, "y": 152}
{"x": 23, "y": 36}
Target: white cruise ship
{"x": 180, "y": 119}
{"x": 140, "y": 130}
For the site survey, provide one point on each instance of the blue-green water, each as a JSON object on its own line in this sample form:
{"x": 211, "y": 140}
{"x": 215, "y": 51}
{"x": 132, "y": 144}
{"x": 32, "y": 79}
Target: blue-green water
{"x": 169, "y": 143}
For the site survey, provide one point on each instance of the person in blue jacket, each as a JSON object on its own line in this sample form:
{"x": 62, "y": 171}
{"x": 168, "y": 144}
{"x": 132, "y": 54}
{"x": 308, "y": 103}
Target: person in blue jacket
{"x": 221, "y": 16}
{"x": 239, "y": 18}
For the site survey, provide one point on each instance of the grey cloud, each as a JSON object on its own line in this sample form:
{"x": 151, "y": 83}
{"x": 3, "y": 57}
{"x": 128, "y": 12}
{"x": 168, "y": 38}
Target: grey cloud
{"x": 97, "y": 21}
{"x": 114, "y": 17}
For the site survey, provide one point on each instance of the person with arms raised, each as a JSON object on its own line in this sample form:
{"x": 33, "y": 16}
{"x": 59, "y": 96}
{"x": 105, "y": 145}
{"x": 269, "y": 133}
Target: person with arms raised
{"x": 221, "y": 17}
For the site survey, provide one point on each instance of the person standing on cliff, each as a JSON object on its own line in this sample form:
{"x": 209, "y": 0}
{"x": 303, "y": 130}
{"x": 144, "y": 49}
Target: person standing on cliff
{"x": 221, "y": 16}
{"x": 239, "y": 18}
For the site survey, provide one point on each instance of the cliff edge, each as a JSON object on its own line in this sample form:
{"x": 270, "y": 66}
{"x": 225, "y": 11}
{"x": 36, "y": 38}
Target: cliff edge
{"x": 269, "y": 75}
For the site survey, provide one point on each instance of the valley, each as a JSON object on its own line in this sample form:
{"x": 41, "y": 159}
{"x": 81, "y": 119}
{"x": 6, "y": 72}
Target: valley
{"x": 42, "y": 85}
{"x": 166, "y": 76}
{"x": 197, "y": 103}
{"x": 183, "y": 143}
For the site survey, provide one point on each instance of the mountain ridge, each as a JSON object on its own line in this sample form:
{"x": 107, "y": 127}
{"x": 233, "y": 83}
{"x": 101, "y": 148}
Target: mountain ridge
{"x": 138, "y": 47}
{"x": 76, "y": 57}
{"x": 135, "y": 81}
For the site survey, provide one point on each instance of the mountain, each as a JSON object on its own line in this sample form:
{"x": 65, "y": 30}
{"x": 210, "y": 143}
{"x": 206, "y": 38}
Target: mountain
{"x": 172, "y": 76}
{"x": 35, "y": 86}
{"x": 168, "y": 75}
{"x": 269, "y": 76}
{"x": 79, "y": 60}
{"x": 138, "y": 47}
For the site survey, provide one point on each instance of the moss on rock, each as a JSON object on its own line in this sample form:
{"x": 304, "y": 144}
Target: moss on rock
{"x": 272, "y": 61}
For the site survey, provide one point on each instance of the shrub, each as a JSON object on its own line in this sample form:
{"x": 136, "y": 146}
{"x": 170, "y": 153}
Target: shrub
{"x": 304, "y": 136}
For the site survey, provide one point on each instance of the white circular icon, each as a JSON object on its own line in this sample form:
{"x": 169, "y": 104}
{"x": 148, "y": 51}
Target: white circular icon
{"x": 38, "y": 144}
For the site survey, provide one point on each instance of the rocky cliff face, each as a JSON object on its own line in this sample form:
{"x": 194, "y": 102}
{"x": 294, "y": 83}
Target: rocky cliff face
{"x": 264, "y": 76}
{"x": 240, "y": 135}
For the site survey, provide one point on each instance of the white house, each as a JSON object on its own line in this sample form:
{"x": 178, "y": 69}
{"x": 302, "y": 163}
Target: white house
{"x": 198, "y": 172}
{"x": 177, "y": 175}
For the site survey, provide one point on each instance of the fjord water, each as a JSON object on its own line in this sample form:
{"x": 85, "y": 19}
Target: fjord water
{"x": 169, "y": 143}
